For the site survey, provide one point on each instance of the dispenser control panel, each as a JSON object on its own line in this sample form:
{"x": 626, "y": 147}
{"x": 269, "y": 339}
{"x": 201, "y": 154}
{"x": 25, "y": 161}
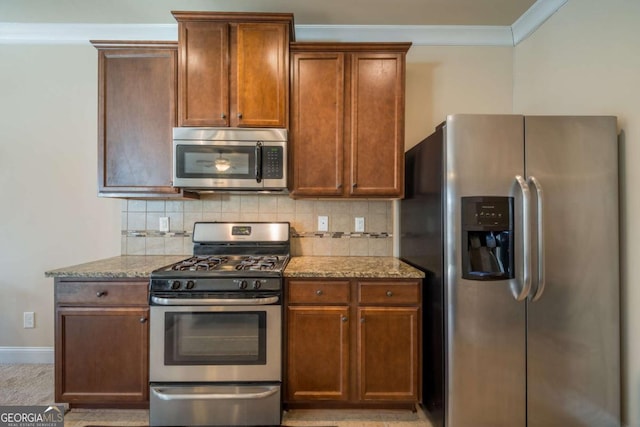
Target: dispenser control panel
{"x": 487, "y": 211}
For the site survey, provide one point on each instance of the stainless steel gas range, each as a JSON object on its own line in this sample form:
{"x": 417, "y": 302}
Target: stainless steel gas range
{"x": 216, "y": 328}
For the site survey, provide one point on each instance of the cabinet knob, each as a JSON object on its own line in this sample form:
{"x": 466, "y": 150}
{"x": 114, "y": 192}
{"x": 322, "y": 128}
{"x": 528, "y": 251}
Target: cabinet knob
{"x": 223, "y": 116}
{"x": 362, "y": 320}
{"x": 344, "y": 318}
{"x": 389, "y": 293}
{"x": 101, "y": 294}
{"x": 239, "y": 115}
{"x": 339, "y": 186}
{"x": 143, "y": 319}
{"x": 319, "y": 292}
{"x": 354, "y": 185}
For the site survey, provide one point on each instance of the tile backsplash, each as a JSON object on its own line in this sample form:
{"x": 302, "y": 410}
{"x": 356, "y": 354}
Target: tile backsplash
{"x": 141, "y": 220}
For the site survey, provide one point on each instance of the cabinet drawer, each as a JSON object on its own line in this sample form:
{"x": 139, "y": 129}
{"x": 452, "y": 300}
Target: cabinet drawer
{"x": 102, "y": 293}
{"x": 390, "y": 293}
{"x": 320, "y": 292}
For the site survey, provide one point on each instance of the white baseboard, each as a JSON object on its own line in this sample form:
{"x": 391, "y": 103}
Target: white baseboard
{"x": 30, "y": 355}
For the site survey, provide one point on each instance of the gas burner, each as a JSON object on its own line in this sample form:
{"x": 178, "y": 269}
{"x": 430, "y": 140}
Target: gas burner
{"x": 200, "y": 263}
{"x": 258, "y": 263}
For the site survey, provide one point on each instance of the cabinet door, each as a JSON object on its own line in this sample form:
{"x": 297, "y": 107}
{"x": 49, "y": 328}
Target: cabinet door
{"x": 101, "y": 355}
{"x": 137, "y": 113}
{"x": 317, "y": 353}
{"x": 377, "y": 124}
{"x": 260, "y": 75}
{"x": 203, "y": 73}
{"x": 317, "y": 124}
{"x": 388, "y": 351}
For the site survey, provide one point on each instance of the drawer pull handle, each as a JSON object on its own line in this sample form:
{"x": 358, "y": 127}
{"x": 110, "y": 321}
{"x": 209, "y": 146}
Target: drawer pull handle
{"x": 319, "y": 292}
{"x": 344, "y": 318}
{"x": 143, "y": 319}
{"x": 389, "y": 293}
{"x": 101, "y": 294}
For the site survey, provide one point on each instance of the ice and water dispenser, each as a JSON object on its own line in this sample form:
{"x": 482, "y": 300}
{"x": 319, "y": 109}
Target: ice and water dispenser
{"x": 487, "y": 238}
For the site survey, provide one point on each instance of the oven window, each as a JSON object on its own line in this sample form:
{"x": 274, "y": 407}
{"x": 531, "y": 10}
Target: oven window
{"x": 215, "y": 338}
{"x": 195, "y": 161}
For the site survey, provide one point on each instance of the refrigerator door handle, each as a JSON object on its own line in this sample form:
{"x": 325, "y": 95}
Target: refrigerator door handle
{"x": 540, "y": 222}
{"x": 523, "y": 292}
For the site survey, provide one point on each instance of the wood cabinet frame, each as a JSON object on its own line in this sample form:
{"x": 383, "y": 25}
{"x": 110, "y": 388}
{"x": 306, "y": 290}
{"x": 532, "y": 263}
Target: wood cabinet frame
{"x": 347, "y": 119}
{"x": 380, "y": 329}
{"x": 102, "y": 343}
{"x": 246, "y": 58}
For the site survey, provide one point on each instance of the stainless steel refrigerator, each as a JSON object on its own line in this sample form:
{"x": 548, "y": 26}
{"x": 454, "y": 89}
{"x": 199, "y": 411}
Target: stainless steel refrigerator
{"x": 514, "y": 220}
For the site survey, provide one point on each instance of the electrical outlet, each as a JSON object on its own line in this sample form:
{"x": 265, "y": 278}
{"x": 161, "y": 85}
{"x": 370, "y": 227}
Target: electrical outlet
{"x": 323, "y": 223}
{"x": 29, "y": 319}
{"x": 359, "y": 224}
{"x": 164, "y": 224}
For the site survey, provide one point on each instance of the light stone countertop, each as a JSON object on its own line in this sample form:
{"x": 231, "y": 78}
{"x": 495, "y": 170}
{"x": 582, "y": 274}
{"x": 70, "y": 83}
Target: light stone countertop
{"x": 351, "y": 266}
{"x": 117, "y": 267}
{"x": 141, "y": 266}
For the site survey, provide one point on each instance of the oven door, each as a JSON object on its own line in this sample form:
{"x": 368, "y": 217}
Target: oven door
{"x": 200, "y": 343}
{"x": 229, "y": 164}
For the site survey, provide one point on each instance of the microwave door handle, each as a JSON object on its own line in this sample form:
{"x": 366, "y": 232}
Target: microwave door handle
{"x": 259, "y": 161}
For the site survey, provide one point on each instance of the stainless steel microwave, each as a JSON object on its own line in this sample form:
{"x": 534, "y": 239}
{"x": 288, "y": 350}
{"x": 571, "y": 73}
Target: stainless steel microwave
{"x": 230, "y": 158}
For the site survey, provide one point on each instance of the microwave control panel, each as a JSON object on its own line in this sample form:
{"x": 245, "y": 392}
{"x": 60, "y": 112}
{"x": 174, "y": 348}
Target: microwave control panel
{"x": 272, "y": 162}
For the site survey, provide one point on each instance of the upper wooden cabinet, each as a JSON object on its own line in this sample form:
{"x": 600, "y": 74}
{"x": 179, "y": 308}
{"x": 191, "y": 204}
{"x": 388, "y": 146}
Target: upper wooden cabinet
{"x": 347, "y": 119}
{"x": 137, "y": 84}
{"x": 233, "y": 69}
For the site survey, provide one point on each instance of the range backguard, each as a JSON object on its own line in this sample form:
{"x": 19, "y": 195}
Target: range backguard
{"x": 487, "y": 238}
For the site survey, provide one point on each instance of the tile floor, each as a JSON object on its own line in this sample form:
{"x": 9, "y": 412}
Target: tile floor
{"x": 33, "y": 385}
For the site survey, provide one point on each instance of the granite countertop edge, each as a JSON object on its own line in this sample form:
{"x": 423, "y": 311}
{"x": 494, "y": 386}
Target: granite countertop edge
{"x": 141, "y": 266}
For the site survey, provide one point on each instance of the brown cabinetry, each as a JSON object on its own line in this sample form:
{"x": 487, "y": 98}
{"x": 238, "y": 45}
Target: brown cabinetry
{"x": 233, "y": 69}
{"x": 137, "y": 86}
{"x": 347, "y": 119}
{"x": 101, "y": 343}
{"x": 352, "y": 343}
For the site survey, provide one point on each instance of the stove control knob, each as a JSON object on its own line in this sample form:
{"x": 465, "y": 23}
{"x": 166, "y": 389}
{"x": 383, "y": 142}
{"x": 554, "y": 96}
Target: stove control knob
{"x": 242, "y": 284}
{"x": 176, "y": 284}
{"x": 257, "y": 284}
{"x": 190, "y": 284}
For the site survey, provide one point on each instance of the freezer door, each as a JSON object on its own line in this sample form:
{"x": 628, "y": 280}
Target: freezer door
{"x": 573, "y": 336}
{"x": 485, "y": 325}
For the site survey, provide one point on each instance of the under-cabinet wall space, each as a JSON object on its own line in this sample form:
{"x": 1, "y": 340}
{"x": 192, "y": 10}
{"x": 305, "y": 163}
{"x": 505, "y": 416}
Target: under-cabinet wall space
{"x": 141, "y": 235}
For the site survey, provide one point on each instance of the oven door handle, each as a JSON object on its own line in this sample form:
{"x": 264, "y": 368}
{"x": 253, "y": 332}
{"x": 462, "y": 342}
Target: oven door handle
{"x": 165, "y": 394}
{"x": 215, "y": 301}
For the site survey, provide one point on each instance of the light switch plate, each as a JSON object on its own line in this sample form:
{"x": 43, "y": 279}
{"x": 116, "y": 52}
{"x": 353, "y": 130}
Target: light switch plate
{"x": 359, "y": 224}
{"x": 29, "y": 319}
{"x": 323, "y": 223}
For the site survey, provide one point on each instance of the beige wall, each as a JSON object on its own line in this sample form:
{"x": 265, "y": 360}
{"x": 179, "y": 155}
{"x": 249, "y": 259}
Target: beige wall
{"x": 586, "y": 60}
{"x": 50, "y": 215}
{"x": 454, "y": 79}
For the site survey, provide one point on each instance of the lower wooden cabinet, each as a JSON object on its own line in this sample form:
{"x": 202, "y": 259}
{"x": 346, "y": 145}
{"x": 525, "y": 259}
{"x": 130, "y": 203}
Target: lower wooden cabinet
{"x": 318, "y": 353}
{"x": 352, "y": 343}
{"x": 101, "y": 343}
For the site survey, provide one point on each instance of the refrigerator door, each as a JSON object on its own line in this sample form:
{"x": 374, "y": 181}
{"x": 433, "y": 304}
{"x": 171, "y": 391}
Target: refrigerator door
{"x": 573, "y": 327}
{"x": 485, "y": 325}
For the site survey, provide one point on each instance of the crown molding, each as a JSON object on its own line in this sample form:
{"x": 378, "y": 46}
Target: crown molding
{"x": 533, "y": 18}
{"x": 425, "y": 35}
{"x": 49, "y": 33}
